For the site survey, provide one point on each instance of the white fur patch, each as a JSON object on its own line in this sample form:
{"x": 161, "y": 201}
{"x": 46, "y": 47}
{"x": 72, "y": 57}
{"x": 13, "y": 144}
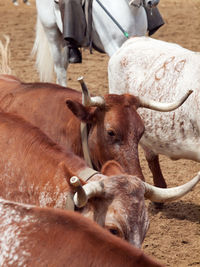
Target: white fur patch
{"x": 10, "y": 239}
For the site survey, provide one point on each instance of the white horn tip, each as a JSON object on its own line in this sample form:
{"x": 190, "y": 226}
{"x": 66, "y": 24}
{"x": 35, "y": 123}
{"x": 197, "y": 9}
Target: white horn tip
{"x": 75, "y": 181}
{"x": 80, "y": 79}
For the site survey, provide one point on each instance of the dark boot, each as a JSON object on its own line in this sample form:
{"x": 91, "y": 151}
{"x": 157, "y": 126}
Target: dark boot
{"x": 74, "y": 55}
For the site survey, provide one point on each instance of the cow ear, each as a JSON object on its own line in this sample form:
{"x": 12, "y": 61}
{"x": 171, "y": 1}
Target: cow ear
{"x": 85, "y": 114}
{"x": 112, "y": 167}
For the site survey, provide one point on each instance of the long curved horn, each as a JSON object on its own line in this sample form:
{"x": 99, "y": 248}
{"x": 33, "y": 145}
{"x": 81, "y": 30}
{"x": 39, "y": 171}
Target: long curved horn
{"x": 85, "y": 192}
{"x": 87, "y": 100}
{"x": 162, "y": 195}
{"x": 164, "y": 107}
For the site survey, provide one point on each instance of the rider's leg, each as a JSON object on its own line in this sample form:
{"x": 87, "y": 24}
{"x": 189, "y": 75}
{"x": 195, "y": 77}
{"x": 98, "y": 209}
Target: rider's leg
{"x": 74, "y": 27}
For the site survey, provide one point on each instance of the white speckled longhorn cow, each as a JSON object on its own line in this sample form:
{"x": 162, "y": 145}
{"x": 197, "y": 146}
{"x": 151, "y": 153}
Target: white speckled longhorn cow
{"x": 34, "y": 236}
{"x": 163, "y": 71}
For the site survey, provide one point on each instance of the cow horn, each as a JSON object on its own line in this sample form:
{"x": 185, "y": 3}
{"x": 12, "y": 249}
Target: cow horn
{"x": 85, "y": 192}
{"x": 162, "y": 195}
{"x": 87, "y": 100}
{"x": 164, "y": 107}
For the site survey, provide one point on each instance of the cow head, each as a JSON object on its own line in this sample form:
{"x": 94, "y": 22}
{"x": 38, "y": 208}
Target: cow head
{"x": 116, "y": 201}
{"x": 115, "y": 129}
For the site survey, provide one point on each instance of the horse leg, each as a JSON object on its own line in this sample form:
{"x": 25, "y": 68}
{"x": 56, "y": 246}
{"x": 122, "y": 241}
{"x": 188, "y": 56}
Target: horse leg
{"x": 26, "y": 2}
{"x": 60, "y": 55}
{"x": 154, "y": 166}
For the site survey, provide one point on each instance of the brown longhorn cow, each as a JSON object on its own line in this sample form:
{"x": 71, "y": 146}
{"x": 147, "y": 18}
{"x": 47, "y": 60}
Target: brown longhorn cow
{"x": 35, "y": 170}
{"x": 34, "y": 236}
{"x": 114, "y": 126}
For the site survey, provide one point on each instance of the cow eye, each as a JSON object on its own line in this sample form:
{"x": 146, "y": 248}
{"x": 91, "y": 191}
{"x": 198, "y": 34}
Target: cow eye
{"x": 114, "y": 231}
{"x": 111, "y": 133}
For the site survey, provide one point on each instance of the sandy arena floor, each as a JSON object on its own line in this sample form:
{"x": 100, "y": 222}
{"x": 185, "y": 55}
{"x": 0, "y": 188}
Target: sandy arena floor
{"x": 174, "y": 234}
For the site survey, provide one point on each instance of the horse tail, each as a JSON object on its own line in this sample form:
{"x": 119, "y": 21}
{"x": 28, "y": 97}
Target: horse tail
{"x": 5, "y": 56}
{"x": 44, "y": 59}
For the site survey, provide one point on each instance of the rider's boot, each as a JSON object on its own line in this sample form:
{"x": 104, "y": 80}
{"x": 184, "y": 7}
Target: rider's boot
{"x": 74, "y": 54}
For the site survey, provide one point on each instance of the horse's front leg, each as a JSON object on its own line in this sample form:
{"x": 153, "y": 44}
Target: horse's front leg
{"x": 60, "y": 56}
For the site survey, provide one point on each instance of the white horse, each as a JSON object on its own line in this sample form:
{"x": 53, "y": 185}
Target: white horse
{"x": 48, "y": 45}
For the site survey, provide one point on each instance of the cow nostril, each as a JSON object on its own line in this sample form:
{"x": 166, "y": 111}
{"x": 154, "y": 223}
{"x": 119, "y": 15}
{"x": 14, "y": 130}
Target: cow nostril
{"x": 111, "y": 133}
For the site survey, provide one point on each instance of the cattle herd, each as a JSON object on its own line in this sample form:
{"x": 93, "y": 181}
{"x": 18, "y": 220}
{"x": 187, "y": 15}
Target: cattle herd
{"x": 58, "y": 209}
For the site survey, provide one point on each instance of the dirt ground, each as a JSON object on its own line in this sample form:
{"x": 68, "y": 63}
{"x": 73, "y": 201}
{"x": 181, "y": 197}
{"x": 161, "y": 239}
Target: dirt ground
{"x": 174, "y": 234}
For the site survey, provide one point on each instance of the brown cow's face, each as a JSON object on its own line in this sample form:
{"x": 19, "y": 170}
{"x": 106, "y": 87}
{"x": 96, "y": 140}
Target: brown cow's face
{"x": 115, "y": 133}
{"x": 115, "y": 130}
{"x": 121, "y": 209}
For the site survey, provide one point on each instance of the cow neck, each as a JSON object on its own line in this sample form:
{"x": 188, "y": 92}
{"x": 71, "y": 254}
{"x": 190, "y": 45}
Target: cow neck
{"x": 87, "y": 173}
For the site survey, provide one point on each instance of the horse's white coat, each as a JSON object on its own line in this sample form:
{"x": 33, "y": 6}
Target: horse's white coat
{"x": 106, "y": 35}
{"x": 161, "y": 71}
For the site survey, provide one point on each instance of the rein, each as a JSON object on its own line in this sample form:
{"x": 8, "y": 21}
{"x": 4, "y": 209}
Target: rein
{"x": 113, "y": 19}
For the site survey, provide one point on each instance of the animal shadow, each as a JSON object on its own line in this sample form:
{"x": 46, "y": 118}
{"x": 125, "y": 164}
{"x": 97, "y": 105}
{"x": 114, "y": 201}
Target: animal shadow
{"x": 179, "y": 210}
